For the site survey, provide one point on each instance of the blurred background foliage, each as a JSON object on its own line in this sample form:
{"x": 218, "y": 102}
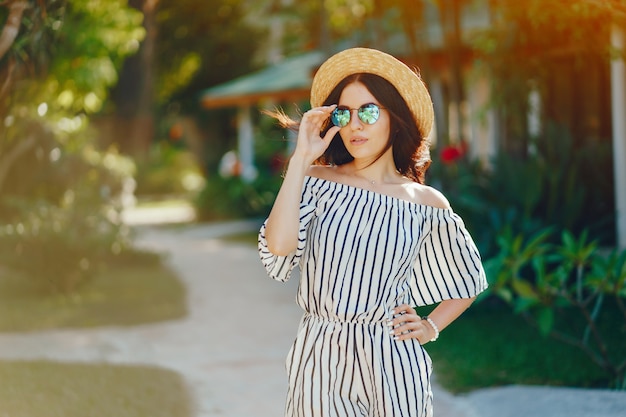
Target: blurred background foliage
{"x": 99, "y": 106}
{"x": 61, "y": 192}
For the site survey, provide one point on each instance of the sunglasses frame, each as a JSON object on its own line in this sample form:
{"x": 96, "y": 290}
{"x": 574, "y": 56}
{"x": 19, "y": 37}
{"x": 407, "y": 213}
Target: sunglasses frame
{"x": 360, "y": 114}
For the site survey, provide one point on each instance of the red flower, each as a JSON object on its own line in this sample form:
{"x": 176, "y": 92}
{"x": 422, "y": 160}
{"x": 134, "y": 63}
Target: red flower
{"x": 176, "y": 132}
{"x": 453, "y": 153}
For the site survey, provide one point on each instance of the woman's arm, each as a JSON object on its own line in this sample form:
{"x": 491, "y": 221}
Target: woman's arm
{"x": 281, "y": 229}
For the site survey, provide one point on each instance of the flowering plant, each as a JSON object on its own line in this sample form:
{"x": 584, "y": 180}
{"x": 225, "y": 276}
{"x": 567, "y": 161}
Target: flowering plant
{"x": 452, "y": 153}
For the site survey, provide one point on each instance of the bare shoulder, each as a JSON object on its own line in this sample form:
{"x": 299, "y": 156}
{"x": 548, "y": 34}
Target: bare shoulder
{"x": 428, "y": 196}
{"x": 324, "y": 172}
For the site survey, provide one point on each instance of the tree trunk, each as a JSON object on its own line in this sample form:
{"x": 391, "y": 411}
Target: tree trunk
{"x": 325, "y": 43}
{"x": 142, "y": 129}
{"x": 450, "y": 11}
{"x": 7, "y": 38}
{"x": 414, "y": 22}
{"x": 12, "y": 25}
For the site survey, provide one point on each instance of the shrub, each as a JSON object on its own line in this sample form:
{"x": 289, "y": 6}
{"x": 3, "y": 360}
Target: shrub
{"x": 61, "y": 247}
{"x": 524, "y": 213}
{"x": 232, "y": 197}
{"x": 228, "y": 198}
{"x": 168, "y": 170}
{"x": 569, "y": 291}
{"x": 552, "y": 186}
{"x": 60, "y": 233}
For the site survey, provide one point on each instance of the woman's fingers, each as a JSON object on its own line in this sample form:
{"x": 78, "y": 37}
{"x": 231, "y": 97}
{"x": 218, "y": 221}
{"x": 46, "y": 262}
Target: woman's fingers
{"x": 402, "y": 309}
{"x": 317, "y": 116}
{"x": 322, "y": 110}
{"x": 310, "y": 143}
{"x": 331, "y": 134}
{"x": 406, "y": 324}
{"x": 411, "y": 330}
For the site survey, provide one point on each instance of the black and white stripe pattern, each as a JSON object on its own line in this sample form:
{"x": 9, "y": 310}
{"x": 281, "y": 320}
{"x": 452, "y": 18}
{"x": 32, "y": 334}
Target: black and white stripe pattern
{"x": 361, "y": 254}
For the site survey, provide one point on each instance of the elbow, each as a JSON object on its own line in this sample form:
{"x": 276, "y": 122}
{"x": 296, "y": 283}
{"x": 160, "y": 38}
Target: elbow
{"x": 278, "y": 242}
{"x": 469, "y": 302}
{"x": 279, "y": 248}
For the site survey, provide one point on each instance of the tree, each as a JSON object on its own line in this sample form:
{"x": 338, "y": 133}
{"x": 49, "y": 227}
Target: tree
{"x": 13, "y": 21}
{"x": 201, "y": 44}
{"x": 58, "y": 189}
{"x": 60, "y": 59}
{"x": 142, "y": 128}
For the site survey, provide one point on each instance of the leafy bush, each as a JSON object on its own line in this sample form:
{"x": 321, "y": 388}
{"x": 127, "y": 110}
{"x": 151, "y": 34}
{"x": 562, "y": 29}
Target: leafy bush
{"x": 59, "y": 195}
{"x": 61, "y": 247}
{"x": 568, "y": 290}
{"x": 168, "y": 170}
{"x": 232, "y": 197}
{"x": 553, "y": 186}
{"x": 227, "y": 198}
{"x": 492, "y": 346}
{"x": 523, "y": 213}
{"x": 59, "y": 231}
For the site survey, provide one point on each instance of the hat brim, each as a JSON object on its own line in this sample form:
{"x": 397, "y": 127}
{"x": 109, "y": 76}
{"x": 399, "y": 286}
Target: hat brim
{"x": 371, "y": 61}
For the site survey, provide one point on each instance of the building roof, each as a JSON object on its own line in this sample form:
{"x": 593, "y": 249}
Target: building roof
{"x": 288, "y": 79}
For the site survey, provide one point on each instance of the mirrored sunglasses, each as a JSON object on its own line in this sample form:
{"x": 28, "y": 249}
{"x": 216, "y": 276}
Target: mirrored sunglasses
{"x": 367, "y": 113}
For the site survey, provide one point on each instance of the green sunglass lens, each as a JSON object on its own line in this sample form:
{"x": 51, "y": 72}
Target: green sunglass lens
{"x": 369, "y": 113}
{"x": 340, "y": 117}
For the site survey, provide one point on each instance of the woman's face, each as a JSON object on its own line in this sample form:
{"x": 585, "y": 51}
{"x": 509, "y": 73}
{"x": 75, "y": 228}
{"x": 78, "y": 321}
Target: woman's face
{"x": 362, "y": 140}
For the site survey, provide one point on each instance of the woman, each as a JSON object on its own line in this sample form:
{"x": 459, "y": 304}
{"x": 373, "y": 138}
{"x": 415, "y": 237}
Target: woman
{"x": 371, "y": 241}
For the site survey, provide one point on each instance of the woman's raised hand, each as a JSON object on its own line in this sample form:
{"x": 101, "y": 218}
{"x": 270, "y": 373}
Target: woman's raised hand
{"x": 311, "y": 145}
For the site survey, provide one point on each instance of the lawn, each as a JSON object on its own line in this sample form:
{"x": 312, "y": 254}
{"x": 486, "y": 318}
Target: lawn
{"x": 124, "y": 294}
{"x": 52, "y": 389}
{"x": 490, "y": 346}
{"x": 139, "y": 290}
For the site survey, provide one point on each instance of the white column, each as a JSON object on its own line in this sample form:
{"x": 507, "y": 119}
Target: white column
{"x": 441, "y": 115}
{"x": 483, "y": 143}
{"x": 618, "y": 105}
{"x": 533, "y": 117}
{"x": 245, "y": 144}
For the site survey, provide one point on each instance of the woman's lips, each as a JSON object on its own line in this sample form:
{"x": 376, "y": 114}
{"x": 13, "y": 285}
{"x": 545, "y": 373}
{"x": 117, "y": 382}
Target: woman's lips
{"x": 358, "y": 140}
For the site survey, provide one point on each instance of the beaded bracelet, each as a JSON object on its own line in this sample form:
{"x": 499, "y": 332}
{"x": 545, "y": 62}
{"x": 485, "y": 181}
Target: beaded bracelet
{"x": 434, "y": 326}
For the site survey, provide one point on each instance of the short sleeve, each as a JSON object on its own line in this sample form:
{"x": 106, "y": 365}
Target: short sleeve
{"x": 280, "y": 267}
{"x": 448, "y": 263}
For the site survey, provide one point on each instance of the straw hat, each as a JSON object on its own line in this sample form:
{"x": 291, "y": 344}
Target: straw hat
{"x": 371, "y": 61}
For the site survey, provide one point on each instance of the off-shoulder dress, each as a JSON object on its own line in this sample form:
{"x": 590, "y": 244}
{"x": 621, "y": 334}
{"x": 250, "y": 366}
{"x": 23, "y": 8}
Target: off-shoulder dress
{"x": 362, "y": 253}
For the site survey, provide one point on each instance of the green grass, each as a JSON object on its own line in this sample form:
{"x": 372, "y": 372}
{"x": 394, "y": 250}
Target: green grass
{"x": 124, "y": 294}
{"x": 244, "y": 237}
{"x": 134, "y": 290}
{"x": 490, "y": 346}
{"x": 51, "y": 389}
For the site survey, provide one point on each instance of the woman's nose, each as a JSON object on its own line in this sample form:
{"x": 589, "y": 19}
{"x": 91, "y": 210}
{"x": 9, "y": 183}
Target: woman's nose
{"x": 355, "y": 122}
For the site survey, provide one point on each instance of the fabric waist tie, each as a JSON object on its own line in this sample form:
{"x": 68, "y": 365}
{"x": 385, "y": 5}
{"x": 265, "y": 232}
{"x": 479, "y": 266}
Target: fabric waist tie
{"x": 362, "y": 321}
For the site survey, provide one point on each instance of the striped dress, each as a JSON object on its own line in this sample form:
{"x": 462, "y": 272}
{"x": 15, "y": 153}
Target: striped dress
{"x": 361, "y": 254}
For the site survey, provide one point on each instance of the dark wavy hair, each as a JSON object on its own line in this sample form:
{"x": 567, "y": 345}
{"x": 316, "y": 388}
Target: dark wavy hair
{"x": 411, "y": 152}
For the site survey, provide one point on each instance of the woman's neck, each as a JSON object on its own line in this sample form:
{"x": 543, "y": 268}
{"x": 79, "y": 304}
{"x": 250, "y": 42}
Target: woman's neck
{"x": 379, "y": 171}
